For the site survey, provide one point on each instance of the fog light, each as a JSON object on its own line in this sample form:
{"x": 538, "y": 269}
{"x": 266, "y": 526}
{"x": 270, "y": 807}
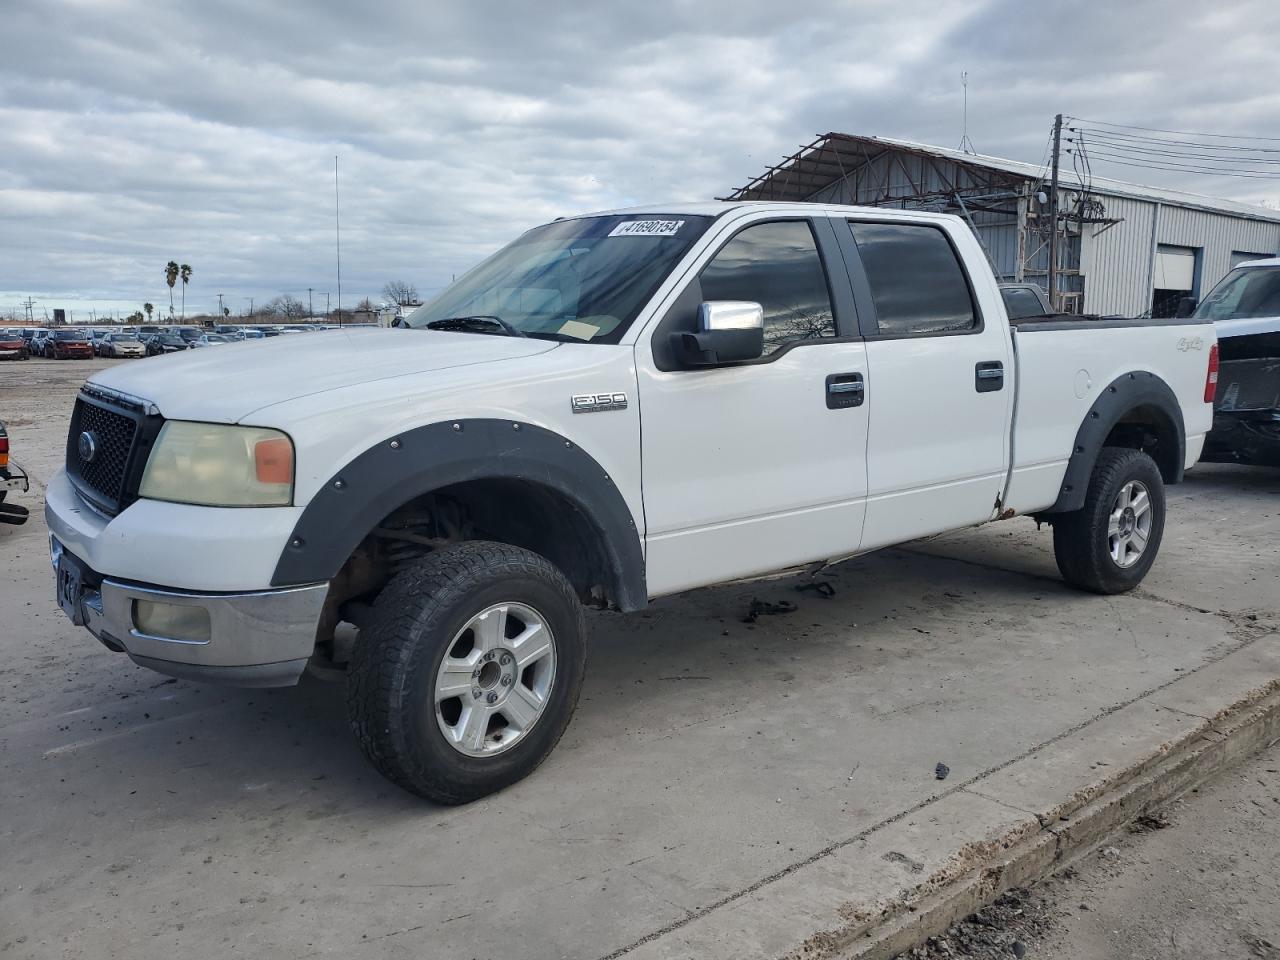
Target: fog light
{"x": 171, "y": 621}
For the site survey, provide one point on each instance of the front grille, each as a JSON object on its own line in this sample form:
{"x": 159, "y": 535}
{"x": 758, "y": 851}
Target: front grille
{"x": 120, "y": 435}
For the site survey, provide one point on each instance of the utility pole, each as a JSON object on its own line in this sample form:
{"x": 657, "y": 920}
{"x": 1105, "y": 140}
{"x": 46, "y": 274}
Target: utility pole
{"x": 1053, "y": 216}
{"x": 326, "y": 305}
{"x": 221, "y": 316}
{"x": 337, "y": 236}
{"x": 311, "y": 311}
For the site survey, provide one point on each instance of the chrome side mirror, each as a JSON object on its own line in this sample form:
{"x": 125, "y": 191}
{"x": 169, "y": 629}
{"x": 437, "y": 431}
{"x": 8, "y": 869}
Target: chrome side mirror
{"x": 729, "y": 331}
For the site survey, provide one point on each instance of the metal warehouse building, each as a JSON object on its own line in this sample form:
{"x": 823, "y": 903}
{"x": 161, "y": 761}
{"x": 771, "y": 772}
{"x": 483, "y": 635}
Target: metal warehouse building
{"x": 1123, "y": 249}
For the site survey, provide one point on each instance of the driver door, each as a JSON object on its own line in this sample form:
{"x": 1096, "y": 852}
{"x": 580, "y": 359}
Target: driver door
{"x": 757, "y": 466}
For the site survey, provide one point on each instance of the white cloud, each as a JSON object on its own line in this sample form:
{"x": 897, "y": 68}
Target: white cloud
{"x": 132, "y": 133}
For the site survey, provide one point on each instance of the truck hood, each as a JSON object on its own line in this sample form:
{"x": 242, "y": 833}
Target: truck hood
{"x": 228, "y": 382}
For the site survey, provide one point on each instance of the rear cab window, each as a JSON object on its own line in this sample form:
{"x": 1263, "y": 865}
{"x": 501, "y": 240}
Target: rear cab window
{"x": 917, "y": 282}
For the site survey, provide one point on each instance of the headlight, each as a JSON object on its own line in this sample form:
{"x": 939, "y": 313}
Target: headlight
{"x": 219, "y": 466}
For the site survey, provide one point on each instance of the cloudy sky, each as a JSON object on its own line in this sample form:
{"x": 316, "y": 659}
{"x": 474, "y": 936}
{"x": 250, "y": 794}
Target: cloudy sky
{"x": 132, "y": 133}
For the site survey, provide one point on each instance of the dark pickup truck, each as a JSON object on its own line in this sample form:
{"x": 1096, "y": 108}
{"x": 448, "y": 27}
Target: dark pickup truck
{"x": 1245, "y": 310}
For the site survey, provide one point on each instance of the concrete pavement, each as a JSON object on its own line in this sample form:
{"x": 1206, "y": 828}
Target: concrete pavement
{"x": 715, "y": 771}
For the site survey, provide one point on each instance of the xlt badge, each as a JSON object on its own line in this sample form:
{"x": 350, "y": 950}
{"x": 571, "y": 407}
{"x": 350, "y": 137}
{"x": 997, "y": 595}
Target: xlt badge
{"x": 596, "y": 402}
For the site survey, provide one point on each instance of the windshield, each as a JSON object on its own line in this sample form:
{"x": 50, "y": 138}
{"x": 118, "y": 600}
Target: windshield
{"x": 1244, "y": 292}
{"x": 121, "y": 338}
{"x": 579, "y": 280}
{"x": 69, "y": 335}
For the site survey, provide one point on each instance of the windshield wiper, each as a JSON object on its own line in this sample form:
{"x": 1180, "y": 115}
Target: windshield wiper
{"x": 469, "y": 324}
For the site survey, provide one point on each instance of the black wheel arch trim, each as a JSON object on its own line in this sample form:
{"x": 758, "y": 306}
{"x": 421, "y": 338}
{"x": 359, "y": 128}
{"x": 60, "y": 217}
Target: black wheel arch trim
{"x": 401, "y": 468}
{"x": 1139, "y": 388}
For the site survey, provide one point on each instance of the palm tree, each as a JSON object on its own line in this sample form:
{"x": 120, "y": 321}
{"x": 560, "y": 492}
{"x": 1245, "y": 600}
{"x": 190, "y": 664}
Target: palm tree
{"x": 148, "y": 307}
{"x": 185, "y": 271}
{"x": 171, "y": 277}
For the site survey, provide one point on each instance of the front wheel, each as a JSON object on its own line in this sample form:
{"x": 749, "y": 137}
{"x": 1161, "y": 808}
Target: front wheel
{"x": 1109, "y": 544}
{"x": 468, "y": 672}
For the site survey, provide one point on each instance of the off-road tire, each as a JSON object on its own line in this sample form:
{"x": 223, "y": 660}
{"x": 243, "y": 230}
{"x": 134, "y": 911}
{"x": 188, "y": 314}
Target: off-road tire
{"x": 391, "y": 676}
{"x": 1080, "y": 538}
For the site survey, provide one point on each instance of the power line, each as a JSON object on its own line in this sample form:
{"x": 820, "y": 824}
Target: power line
{"x": 1126, "y": 139}
{"x": 1181, "y": 133}
{"x": 1152, "y": 165}
{"x": 1139, "y": 152}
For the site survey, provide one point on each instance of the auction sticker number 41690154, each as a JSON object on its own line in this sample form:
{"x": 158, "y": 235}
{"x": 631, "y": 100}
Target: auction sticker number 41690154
{"x": 647, "y": 228}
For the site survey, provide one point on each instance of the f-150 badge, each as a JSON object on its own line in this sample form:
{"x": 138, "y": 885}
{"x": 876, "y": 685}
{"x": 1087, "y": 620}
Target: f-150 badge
{"x": 597, "y": 402}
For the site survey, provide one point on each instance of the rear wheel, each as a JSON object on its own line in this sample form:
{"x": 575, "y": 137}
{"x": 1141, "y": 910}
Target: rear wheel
{"x": 1109, "y": 544}
{"x": 468, "y": 672}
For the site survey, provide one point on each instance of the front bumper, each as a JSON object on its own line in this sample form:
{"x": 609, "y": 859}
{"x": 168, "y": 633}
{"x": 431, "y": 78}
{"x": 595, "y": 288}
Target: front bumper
{"x": 258, "y": 639}
{"x": 215, "y": 559}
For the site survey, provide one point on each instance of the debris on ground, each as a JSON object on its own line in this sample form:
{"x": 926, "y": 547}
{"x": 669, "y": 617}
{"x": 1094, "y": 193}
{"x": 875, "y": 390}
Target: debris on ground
{"x": 822, "y": 588}
{"x": 941, "y": 771}
{"x": 762, "y": 608}
{"x": 1150, "y": 821}
{"x": 1017, "y": 921}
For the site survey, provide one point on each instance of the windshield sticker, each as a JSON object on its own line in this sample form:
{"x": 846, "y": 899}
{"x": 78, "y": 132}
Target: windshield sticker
{"x": 647, "y": 228}
{"x": 576, "y": 328}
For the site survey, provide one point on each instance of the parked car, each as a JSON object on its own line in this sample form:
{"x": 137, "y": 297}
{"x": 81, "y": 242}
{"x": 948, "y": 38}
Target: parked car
{"x": 149, "y": 330}
{"x": 28, "y": 334}
{"x": 165, "y": 343}
{"x": 189, "y": 334}
{"x": 65, "y": 344}
{"x": 792, "y": 417}
{"x": 209, "y": 340}
{"x": 121, "y": 345}
{"x": 1245, "y": 309}
{"x": 13, "y": 479}
{"x": 36, "y": 345}
{"x": 1024, "y": 300}
{"x": 251, "y": 334}
{"x": 12, "y": 346}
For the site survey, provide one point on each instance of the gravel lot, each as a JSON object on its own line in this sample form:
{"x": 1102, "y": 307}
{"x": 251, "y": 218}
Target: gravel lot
{"x": 146, "y": 817}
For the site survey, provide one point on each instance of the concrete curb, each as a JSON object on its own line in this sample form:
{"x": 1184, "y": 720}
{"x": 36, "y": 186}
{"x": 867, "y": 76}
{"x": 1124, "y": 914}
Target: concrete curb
{"x": 1004, "y": 829}
{"x": 1236, "y": 733}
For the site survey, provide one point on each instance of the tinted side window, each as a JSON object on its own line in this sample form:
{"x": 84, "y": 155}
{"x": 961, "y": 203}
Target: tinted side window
{"x": 777, "y": 266}
{"x": 917, "y": 283}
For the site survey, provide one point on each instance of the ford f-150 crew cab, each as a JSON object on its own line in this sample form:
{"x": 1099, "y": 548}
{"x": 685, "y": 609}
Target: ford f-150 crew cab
{"x": 610, "y": 409}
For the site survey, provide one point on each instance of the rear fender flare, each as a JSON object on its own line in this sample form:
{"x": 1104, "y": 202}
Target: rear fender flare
{"x": 1128, "y": 392}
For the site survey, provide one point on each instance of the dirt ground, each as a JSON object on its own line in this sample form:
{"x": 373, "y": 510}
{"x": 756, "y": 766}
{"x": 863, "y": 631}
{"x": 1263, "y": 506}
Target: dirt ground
{"x": 710, "y": 763}
{"x": 1198, "y": 880}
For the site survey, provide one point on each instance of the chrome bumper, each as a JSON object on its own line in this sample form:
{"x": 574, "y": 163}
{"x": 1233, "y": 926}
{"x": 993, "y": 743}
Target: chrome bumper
{"x": 258, "y": 639}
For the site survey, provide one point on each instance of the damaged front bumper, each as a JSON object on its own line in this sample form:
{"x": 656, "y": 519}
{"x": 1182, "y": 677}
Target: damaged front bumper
{"x": 253, "y": 639}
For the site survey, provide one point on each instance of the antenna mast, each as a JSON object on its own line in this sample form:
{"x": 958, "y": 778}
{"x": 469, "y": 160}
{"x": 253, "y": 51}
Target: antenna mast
{"x": 966, "y": 145}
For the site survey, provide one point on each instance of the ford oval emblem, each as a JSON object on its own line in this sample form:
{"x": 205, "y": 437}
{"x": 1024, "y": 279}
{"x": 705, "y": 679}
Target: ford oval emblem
{"x": 87, "y": 446}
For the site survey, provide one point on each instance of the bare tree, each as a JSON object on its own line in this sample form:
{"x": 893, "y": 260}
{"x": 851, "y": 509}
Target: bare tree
{"x": 285, "y": 306}
{"x": 367, "y": 305}
{"x": 397, "y": 291}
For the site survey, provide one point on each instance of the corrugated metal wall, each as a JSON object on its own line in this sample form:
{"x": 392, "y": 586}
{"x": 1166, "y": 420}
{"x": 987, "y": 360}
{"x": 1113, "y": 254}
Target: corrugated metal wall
{"x": 1117, "y": 261}
{"x": 1114, "y": 263}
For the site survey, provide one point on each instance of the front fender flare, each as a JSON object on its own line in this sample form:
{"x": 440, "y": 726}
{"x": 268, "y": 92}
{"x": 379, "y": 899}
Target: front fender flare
{"x": 409, "y": 465}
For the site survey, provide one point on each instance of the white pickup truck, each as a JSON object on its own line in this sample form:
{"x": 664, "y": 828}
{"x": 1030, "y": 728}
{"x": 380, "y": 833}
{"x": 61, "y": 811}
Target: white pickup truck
{"x": 612, "y": 408}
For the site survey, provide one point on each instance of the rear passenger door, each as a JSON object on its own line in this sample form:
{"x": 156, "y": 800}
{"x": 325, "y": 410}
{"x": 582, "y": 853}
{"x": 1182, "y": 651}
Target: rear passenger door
{"x": 940, "y": 383}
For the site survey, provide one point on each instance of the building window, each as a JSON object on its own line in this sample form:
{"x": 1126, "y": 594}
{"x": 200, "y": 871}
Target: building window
{"x": 917, "y": 284}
